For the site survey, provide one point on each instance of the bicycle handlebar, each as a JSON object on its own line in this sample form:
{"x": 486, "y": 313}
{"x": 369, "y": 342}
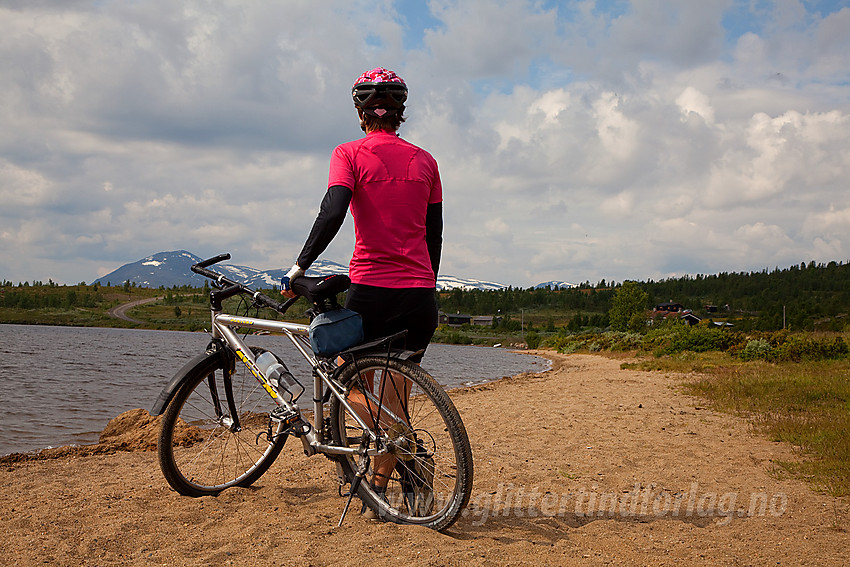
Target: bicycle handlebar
{"x": 232, "y": 287}
{"x": 213, "y": 260}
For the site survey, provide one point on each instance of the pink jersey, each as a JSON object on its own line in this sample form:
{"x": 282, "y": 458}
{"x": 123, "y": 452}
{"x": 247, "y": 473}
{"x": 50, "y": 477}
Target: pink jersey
{"x": 392, "y": 183}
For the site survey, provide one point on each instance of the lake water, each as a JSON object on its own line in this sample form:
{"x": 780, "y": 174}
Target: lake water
{"x": 62, "y": 385}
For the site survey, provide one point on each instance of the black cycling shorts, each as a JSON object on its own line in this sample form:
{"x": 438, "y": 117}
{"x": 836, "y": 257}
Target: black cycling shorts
{"x": 386, "y": 311}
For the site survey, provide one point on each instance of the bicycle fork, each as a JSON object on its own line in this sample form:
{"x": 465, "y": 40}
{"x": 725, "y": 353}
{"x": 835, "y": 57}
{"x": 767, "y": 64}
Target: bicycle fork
{"x": 231, "y": 419}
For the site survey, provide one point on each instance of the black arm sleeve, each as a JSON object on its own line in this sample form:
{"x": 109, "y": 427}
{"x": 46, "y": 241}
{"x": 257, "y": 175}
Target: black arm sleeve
{"x": 434, "y": 235}
{"x": 328, "y": 221}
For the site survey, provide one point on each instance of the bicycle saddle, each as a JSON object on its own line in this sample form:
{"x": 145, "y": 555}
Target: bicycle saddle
{"x": 319, "y": 289}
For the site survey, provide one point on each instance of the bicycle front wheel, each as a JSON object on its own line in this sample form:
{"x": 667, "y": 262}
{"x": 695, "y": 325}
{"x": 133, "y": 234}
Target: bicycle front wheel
{"x": 425, "y": 478}
{"x": 200, "y": 452}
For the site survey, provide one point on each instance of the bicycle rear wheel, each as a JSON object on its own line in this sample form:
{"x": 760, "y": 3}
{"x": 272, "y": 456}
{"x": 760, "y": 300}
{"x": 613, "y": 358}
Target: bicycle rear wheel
{"x": 199, "y": 453}
{"x": 428, "y": 470}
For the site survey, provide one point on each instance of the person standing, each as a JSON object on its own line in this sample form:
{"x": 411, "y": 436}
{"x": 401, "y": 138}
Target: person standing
{"x": 394, "y": 191}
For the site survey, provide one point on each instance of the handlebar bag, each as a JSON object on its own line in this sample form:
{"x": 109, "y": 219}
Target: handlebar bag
{"x": 334, "y": 331}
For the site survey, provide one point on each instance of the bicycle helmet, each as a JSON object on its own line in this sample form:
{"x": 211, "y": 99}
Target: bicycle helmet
{"x": 379, "y": 92}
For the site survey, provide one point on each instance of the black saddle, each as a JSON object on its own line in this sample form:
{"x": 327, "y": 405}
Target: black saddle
{"x": 321, "y": 291}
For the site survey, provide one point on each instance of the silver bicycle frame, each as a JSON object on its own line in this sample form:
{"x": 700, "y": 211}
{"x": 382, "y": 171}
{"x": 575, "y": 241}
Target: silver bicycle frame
{"x": 223, "y": 328}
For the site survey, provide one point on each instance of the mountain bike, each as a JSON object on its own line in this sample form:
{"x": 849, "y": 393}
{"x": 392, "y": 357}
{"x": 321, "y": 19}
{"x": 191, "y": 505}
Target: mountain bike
{"x": 396, "y": 438}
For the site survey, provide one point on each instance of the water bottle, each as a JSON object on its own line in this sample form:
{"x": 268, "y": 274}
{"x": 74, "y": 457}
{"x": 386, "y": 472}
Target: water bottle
{"x": 279, "y": 376}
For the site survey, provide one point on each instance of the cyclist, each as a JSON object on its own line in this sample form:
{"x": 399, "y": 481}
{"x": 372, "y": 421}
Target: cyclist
{"x": 394, "y": 191}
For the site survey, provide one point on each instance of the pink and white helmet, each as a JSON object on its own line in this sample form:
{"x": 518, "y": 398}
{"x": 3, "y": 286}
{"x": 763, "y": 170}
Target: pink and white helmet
{"x": 379, "y": 92}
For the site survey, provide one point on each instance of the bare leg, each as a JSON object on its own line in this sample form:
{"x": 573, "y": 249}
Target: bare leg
{"x": 393, "y": 393}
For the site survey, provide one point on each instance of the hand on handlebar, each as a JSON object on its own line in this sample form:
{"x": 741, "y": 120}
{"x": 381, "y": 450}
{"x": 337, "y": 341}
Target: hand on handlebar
{"x": 293, "y": 273}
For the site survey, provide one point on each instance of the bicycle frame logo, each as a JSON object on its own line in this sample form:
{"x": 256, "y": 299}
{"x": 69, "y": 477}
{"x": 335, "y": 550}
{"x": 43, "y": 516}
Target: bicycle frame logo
{"x": 256, "y": 372}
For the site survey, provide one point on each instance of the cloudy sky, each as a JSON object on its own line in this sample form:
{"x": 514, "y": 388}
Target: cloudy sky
{"x": 577, "y": 140}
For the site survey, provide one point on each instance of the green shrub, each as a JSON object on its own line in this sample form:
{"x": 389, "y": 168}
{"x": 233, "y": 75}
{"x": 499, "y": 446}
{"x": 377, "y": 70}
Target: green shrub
{"x": 564, "y": 345}
{"x": 802, "y": 347}
{"x": 625, "y": 341}
{"x": 782, "y": 346}
{"x": 451, "y": 336}
{"x": 758, "y": 349}
{"x": 595, "y": 342}
{"x": 680, "y": 337}
{"x": 676, "y": 338}
{"x": 532, "y": 339}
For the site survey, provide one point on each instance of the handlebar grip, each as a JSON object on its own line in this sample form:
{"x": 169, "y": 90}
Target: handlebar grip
{"x": 211, "y": 261}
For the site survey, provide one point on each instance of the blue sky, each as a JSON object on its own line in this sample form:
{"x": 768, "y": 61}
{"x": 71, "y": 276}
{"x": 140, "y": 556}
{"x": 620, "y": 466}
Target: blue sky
{"x": 576, "y": 140}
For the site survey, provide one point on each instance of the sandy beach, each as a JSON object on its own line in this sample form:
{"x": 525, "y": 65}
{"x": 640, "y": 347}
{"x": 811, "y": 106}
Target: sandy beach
{"x": 585, "y": 464}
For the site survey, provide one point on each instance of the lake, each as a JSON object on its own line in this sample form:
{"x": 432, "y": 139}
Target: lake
{"x": 62, "y": 385}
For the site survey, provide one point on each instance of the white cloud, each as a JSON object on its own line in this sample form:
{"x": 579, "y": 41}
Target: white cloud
{"x": 22, "y": 188}
{"x": 793, "y": 156}
{"x": 617, "y": 135}
{"x": 481, "y": 39}
{"x": 693, "y": 101}
{"x": 619, "y": 205}
{"x": 576, "y": 141}
{"x": 829, "y": 233}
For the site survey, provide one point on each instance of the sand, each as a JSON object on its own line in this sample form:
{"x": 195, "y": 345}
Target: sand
{"x": 585, "y": 464}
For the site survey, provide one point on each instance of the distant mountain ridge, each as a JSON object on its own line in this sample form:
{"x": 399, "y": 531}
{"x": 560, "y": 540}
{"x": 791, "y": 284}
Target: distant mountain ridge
{"x": 555, "y": 284}
{"x": 167, "y": 269}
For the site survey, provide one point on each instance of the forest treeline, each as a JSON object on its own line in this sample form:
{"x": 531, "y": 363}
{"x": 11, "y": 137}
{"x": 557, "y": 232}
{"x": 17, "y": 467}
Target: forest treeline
{"x": 801, "y": 297}
{"x": 51, "y": 295}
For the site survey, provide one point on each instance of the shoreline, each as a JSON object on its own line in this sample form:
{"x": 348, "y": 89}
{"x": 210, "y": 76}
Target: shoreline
{"x": 584, "y": 464}
{"x": 100, "y": 447}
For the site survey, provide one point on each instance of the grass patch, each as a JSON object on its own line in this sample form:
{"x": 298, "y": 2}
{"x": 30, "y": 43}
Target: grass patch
{"x": 684, "y": 363}
{"x": 805, "y": 404}
{"x": 793, "y": 387}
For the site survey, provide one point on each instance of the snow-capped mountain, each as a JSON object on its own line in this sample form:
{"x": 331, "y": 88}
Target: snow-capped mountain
{"x": 555, "y": 284}
{"x": 161, "y": 269}
{"x": 445, "y": 283}
{"x": 174, "y": 268}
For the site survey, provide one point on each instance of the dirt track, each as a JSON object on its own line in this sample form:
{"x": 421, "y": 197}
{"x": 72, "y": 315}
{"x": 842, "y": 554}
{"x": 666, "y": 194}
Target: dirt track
{"x": 585, "y": 464}
{"x": 120, "y": 311}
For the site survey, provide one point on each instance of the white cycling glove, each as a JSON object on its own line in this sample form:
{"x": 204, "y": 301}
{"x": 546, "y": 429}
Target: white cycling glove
{"x": 293, "y": 273}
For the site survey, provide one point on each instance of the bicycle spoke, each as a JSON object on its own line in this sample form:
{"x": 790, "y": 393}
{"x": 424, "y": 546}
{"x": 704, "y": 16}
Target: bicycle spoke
{"x": 422, "y": 479}
{"x": 212, "y": 455}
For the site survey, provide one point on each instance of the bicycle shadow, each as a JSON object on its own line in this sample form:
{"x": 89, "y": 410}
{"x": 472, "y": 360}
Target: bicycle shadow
{"x": 288, "y": 493}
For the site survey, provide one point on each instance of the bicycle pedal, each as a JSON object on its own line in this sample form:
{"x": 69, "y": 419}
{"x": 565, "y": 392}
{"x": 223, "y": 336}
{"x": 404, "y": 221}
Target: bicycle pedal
{"x": 284, "y": 415}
